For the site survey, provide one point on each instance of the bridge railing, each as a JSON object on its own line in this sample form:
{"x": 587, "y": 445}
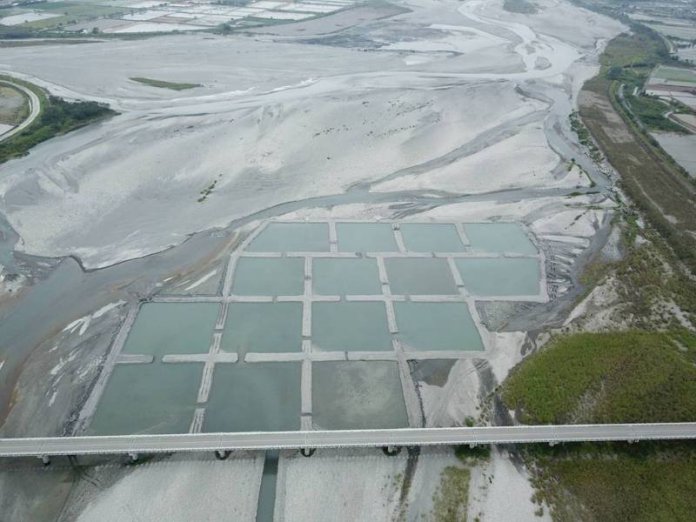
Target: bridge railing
{"x": 197, "y": 442}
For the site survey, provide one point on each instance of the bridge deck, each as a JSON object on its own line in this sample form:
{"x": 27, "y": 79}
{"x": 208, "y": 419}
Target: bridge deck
{"x": 192, "y": 442}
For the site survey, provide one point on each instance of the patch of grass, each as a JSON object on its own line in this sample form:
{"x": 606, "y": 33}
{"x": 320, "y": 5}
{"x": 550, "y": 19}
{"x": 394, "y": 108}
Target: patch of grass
{"x": 175, "y": 86}
{"x": 57, "y": 117}
{"x": 676, "y": 74}
{"x": 14, "y": 107}
{"x": 520, "y": 6}
{"x": 42, "y": 42}
{"x": 71, "y": 13}
{"x": 606, "y": 378}
{"x": 642, "y": 482}
{"x": 651, "y": 112}
{"x": 650, "y": 276}
{"x": 450, "y": 501}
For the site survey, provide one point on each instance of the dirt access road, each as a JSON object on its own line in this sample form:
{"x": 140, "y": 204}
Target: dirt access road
{"x": 34, "y": 109}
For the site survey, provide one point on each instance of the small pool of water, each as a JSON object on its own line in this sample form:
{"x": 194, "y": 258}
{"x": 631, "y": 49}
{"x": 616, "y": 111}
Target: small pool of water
{"x": 350, "y": 326}
{"x": 420, "y": 276}
{"x": 172, "y": 328}
{"x": 254, "y": 397}
{"x": 269, "y": 276}
{"x": 499, "y": 238}
{"x": 292, "y": 237}
{"x": 358, "y": 276}
{"x": 366, "y": 237}
{"x": 148, "y": 398}
{"x": 500, "y": 276}
{"x": 262, "y": 327}
{"x": 431, "y": 237}
{"x": 357, "y": 395}
{"x": 436, "y": 326}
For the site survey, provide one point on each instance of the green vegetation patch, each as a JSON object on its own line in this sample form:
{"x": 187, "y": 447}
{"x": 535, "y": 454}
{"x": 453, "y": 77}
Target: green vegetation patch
{"x": 652, "y": 112}
{"x": 642, "y": 482}
{"x": 165, "y": 85}
{"x": 607, "y": 377}
{"x": 14, "y": 107}
{"x": 649, "y": 279}
{"x": 451, "y": 499}
{"x": 660, "y": 188}
{"x": 632, "y": 57}
{"x": 57, "y": 117}
{"x": 71, "y": 13}
{"x": 520, "y": 6}
{"x": 675, "y": 74}
{"x": 584, "y": 136}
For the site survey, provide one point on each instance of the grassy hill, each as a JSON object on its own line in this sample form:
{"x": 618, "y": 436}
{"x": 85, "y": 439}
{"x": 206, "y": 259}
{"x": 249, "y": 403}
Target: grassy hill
{"x": 607, "y": 377}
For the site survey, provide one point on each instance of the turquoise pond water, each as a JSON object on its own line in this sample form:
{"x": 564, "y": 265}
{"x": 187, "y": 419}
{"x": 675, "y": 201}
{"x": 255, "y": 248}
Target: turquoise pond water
{"x": 249, "y": 396}
{"x": 499, "y": 238}
{"x": 420, "y": 276}
{"x": 354, "y": 276}
{"x": 365, "y": 237}
{"x": 431, "y": 237}
{"x": 263, "y": 327}
{"x": 350, "y": 326}
{"x": 148, "y": 398}
{"x": 292, "y": 237}
{"x": 172, "y": 328}
{"x": 436, "y": 326}
{"x": 500, "y": 276}
{"x": 269, "y": 276}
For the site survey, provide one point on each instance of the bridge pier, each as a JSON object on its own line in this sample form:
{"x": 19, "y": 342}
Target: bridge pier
{"x": 391, "y": 450}
{"x": 222, "y": 454}
{"x": 132, "y": 458}
{"x": 307, "y": 452}
{"x": 45, "y": 459}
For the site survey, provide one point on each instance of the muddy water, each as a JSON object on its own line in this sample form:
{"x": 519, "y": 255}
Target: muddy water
{"x": 69, "y": 292}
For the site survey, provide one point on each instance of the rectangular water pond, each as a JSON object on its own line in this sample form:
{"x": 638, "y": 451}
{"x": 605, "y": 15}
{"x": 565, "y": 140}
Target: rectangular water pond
{"x": 351, "y": 276}
{"x": 366, "y": 237}
{"x": 263, "y": 327}
{"x": 420, "y": 276}
{"x": 357, "y": 395}
{"x": 500, "y": 276}
{"x": 148, "y": 398}
{"x": 499, "y": 238}
{"x": 431, "y": 237}
{"x": 350, "y": 326}
{"x": 436, "y": 326}
{"x": 269, "y": 276}
{"x": 172, "y": 328}
{"x": 292, "y": 237}
{"x": 254, "y": 397}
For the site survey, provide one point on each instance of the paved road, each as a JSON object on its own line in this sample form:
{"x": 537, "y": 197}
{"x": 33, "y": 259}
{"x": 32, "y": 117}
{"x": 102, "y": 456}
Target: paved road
{"x": 342, "y": 438}
{"x": 34, "y": 107}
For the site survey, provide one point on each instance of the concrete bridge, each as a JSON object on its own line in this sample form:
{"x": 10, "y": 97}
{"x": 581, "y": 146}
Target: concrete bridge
{"x": 310, "y": 440}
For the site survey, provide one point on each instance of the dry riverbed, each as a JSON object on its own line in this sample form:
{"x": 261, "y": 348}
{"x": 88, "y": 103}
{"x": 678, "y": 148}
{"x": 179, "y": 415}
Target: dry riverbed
{"x": 464, "y": 119}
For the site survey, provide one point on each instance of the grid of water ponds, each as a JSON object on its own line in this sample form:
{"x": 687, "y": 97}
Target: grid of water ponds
{"x": 313, "y": 327}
